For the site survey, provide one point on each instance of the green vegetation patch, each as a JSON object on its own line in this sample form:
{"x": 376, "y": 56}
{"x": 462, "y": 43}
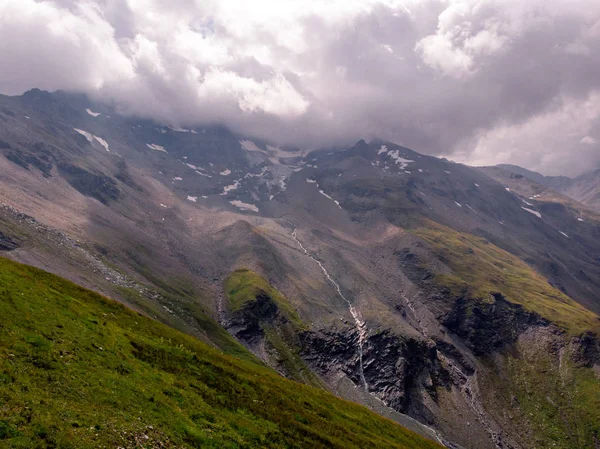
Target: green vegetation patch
{"x": 553, "y": 404}
{"x": 243, "y": 286}
{"x": 80, "y": 371}
{"x": 479, "y": 268}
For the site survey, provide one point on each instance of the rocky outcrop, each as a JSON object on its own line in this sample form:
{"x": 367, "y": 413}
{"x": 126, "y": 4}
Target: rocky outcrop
{"x": 489, "y": 326}
{"x": 247, "y": 323}
{"x": 42, "y": 161}
{"x": 585, "y": 350}
{"x": 397, "y": 370}
{"x": 95, "y": 185}
{"x": 7, "y": 243}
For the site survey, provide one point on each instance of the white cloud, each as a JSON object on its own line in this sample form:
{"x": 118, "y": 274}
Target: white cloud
{"x": 442, "y": 76}
{"x": 561, "y": 152}
{"x": 44, "y": 45}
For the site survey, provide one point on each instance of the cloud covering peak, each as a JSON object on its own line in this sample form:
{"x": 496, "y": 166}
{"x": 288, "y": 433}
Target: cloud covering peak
{"x": 496, "y": 81}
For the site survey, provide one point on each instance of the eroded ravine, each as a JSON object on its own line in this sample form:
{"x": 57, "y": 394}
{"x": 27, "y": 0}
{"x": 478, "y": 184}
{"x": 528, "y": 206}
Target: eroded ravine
{"x": 359, "y": 322}
{"x": 469, "y": 391}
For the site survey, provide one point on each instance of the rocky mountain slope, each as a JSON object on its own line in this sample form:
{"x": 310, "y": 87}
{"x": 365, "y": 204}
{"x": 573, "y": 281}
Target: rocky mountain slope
{"x": 584, "y": 188}
{"x": 436, "y": 294}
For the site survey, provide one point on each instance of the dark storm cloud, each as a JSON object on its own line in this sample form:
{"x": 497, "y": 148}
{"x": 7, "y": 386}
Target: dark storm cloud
{"x": 478, "y": 81}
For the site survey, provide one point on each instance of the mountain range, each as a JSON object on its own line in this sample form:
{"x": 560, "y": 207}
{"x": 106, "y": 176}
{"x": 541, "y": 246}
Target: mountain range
{"x": 584, "y": 188}
{"x": 460, "y": 302}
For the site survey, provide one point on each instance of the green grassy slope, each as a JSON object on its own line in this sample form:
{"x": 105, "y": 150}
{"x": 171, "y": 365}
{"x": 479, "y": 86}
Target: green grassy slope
{"x": 556, "y": 405}
{"x": 541, "y": 393}
{"x": 80, "y": 371}
{"x": 242, "y": 288}
{"x": 479, "y": 268}
{"x": 243, "y": 285}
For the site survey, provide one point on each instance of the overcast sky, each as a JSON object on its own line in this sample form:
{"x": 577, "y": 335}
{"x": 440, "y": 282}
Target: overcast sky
{"x": 481, "y": 82}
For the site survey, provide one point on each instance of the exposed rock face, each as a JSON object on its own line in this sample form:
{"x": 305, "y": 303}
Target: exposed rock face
{"x": 398, "y": 370}
{"x": 7, "y": 243}
{"x": 42, "y": 161}
{"x": 393, "y": 366}
{"x": 585, "y": 350}
{"x": 246, "y": 324}
{"x": 96, "y": 185}
{"x": 416, "y": 375}
{"x": 485, "y": 326}
{"x": 489, "y": 326}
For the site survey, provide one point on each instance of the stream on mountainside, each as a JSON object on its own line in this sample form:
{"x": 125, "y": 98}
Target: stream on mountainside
{"x": 359, "y": 322}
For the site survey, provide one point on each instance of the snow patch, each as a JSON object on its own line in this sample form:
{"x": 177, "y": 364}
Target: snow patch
{"x": 312, "y": 181}
{"x": 256, "y": 175}
{"x": 102, "y": 142}
{"x": 156, "y": 147}
{"x": 248, "y": 145}
{"x": 225, "y": 172}
{"x": 507, "y": 189}
{"x": 230, "y": 187}
{"x": 182, "y": 130}
{"x": 447, "y": 171}
{"x": 476, "y": 185}
{"x": 244, "y": 206}
{"x": 395, "y": 155}
{"x": 90, "y": 137}
{"x": 193, "y": 199}
{"x": 327, "y": 196}
{"x": 458, "y": 204}
{"x": 92, "y": 113}
{"x": 283, "y": 184}
{"x": 162, "y": 205}
{"x": 399, "y": 160}
{"x": 579, "y": 219}
{"x": 177, "y": 178}
{"x": 564, "y": 234}
{"x": 531, "y": 211}
{"x": 192, "y": 166}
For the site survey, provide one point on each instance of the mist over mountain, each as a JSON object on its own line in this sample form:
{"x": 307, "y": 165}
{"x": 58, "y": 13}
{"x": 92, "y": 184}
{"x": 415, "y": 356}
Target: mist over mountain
{"x": 453, "y": 78}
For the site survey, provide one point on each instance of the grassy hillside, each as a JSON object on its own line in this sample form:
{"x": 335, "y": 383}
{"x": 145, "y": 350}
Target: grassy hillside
{"x": 479, "y": 268}
{"x": 535, "y": 389}
{"x": 557, "y": 405}
{"x": 80, "y": 371}
{"x": 243, "y": 286}
{"x": 281, "y": 332}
